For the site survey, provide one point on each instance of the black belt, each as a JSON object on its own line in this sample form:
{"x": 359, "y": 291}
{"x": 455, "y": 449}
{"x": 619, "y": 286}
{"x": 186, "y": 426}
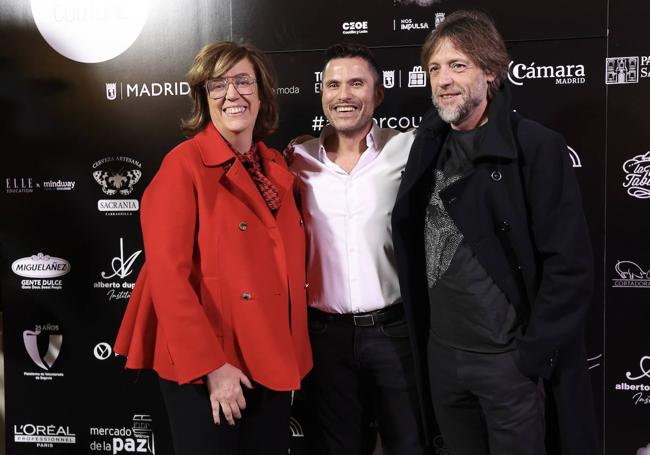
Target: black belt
{"x": 368, "y": 319}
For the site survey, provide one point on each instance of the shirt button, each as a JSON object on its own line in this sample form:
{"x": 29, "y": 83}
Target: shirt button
{"x": 243, "y": 226}
{"x": 246, "y": 296}
{"x": 306, "y": 285}
{"x": 496, "y": 176}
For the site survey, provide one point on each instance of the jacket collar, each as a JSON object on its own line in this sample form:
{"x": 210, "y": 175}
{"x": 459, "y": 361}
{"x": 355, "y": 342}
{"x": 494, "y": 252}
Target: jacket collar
{"x": 498, "y": 139}
{"x": 372, "y": 139}
{"x": 213, "y": 147}
{"x": 215, "y": 151}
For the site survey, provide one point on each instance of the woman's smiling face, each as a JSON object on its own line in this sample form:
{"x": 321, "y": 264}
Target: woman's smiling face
{"x": 235, "y": 114}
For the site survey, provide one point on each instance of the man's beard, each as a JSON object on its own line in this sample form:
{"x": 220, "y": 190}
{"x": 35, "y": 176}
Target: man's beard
{"x": 458, "y": 113}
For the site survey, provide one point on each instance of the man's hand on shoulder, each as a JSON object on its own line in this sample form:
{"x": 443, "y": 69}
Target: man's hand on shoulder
{"x": 288, "y": 151}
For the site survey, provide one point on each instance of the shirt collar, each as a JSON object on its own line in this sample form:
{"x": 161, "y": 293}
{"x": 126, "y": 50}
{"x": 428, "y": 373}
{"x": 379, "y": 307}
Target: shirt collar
{"x": 371, "y": 141}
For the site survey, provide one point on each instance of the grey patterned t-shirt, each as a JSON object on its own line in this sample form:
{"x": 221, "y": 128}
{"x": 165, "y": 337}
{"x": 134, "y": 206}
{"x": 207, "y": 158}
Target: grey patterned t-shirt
{"x": 468, "y": 310}
{"x": 441, "y": 236}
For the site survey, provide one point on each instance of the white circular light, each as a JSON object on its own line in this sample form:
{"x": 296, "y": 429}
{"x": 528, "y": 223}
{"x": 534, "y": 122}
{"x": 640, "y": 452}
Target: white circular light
{"x": 90, "y": 31}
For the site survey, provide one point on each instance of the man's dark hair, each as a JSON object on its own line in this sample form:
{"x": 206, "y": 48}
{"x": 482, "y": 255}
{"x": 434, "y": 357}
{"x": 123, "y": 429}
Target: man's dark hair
{"x": 345, "y": 50}
{"x": 475, "y": 35}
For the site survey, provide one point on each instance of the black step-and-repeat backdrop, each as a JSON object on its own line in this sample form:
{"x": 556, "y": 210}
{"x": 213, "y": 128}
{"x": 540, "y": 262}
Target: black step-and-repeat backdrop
{"x": 92, "y": 91}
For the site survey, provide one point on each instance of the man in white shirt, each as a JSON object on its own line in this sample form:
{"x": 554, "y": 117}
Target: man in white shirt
{"x": 348, "y": 180}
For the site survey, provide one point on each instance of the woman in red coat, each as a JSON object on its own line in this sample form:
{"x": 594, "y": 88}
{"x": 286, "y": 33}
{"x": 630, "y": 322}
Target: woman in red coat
{"x": 218, "y": 310}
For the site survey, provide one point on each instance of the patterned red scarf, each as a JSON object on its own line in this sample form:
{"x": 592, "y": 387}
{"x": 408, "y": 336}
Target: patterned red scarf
{"x": 252, "y": 163}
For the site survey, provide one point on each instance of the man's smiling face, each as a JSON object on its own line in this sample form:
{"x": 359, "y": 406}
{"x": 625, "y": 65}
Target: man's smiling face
{"x": 458, "y": 86}
{"x": 350, "y": 94}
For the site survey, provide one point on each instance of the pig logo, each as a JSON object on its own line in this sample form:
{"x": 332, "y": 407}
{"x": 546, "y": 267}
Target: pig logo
{"x": 629, "y": 270}
{"x": 630, "y": 275}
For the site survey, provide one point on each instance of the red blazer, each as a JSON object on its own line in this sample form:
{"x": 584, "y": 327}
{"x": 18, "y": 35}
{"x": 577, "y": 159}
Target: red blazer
{"x": 224, "y": 280}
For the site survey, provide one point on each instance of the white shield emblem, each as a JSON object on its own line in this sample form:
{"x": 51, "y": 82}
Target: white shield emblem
{"x": 111, "y": 90}
{"x": 53, "y": 349}
{"x": 389, "y": 79}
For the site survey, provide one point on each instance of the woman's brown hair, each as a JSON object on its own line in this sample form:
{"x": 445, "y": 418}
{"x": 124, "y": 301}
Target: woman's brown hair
{"x": 216, "y": 59}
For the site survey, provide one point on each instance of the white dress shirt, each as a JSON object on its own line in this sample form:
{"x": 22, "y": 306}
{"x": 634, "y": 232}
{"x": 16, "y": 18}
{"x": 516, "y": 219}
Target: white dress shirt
{"x": 351, "y": 262}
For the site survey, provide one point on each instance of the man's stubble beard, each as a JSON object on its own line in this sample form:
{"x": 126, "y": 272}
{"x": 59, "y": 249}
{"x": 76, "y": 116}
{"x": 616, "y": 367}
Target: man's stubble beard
{"x": 456, "y": 114}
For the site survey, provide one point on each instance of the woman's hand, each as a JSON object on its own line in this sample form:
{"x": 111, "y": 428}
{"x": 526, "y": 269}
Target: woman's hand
{"x": 224, "y": 386}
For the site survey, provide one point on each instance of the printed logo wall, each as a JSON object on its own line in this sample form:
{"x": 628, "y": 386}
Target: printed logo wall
{"x": 50, "y": 336}
{"x": 117, "y": 176}
{"x": 560, "y": 74}
{"x": 41, "y": 272}
{"x": 28, "y": 185}
{"x": 99, "y": 48}
{"x": 47, "y": 405}
{"x": 636, "y": 384}
{"x": 637, "y": 176}
{"x": 125, "y": 90}
{"x": 114, "y": 280}
{"x": 630, "y": 275}
{"x": 626, "y": 70}
{"x": 136, "y": 436}
{"x": 43, "y": 435}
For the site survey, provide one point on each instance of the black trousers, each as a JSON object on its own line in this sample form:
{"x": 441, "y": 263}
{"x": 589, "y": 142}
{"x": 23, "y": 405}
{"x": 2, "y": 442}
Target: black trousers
{"x": 262, "y": 430}
{"x": 483, "y": 404}
{"x": 363, "y": 374}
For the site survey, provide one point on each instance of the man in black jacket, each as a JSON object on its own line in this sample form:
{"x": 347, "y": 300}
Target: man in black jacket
{"x": 494, "y": 258}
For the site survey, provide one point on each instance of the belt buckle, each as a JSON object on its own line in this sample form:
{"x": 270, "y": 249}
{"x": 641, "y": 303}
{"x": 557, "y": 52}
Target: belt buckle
{"x": 363, "y": 320}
